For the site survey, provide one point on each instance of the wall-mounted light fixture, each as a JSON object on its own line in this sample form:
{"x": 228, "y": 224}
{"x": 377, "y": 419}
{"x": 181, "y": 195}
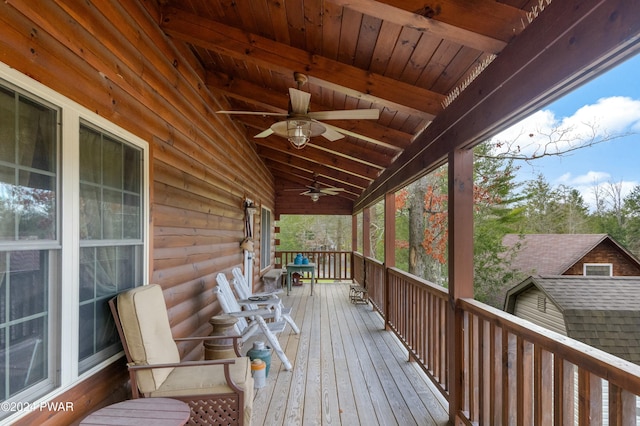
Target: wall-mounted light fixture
{"x": 249, "y": 207}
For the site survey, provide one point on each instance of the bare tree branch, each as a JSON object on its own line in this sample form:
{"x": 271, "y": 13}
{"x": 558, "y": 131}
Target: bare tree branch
{"x": 558, "y": 141}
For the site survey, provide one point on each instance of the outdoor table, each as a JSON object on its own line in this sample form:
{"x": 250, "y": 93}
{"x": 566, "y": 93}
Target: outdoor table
{"x": 141, "y": 411}
{"x": 309, "y": 267}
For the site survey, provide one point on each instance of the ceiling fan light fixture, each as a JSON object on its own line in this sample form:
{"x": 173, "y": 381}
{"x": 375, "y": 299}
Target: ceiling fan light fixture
{"x": 315, "y": 196}
{"x": 298, "y": 132}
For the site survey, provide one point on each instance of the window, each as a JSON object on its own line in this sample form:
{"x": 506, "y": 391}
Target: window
{"x": 598, "y": 269}
{"x": 110, "y": 237}
{"x": 29, "y": 205}
{"x": 265, "y": 238}
{"x": 73, "y": 232}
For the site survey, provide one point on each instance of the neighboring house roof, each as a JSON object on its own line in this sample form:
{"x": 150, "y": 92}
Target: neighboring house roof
{"x": 552, "y": 254}
{"x": 602, "y": 312}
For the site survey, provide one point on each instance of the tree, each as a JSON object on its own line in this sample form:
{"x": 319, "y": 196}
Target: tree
{"x": 541, "y": 208}
{"x": 631, "y": 210}
{"x": 496, "y": 214}
{"x": 573, "y": 211}
{"x": 306, "y": 233}
{"x": 424, "y": 204}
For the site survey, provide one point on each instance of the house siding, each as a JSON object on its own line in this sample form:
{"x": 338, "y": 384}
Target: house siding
{"x": 112, "y": 58}
{"x": 526, "y": 307}
{"x": 607, "y": 252}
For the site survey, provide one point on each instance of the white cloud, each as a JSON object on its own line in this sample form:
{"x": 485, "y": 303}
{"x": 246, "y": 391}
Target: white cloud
{"x": 612, "y": 115}
{"x": 543, "y": 132}
{"x": 590, "y": 178}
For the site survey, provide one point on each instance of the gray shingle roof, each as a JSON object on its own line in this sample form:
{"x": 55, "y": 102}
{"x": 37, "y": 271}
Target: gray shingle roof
{"x": 550, "y": 254}
{"x": 603, "y": 312}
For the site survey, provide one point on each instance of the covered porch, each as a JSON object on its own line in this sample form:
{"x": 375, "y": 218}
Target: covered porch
{"x": 347, "y": 369}
{"x": 149, "y": 78}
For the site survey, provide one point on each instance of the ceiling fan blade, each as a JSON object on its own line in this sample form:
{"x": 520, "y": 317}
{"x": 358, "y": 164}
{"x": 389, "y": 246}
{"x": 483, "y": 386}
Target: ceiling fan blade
{"x": 332, "y": 135}
{"x": 299, "y": 101}
{"x": 350, "y": 133}
{"x": 346, "y": 114}
{"x": 331, "y": 191}
{"x": 275, "y": 114}
{"x": 264, "y": 133}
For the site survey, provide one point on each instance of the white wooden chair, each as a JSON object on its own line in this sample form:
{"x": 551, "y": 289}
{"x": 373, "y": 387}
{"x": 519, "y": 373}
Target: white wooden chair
{"x": 270, "y": 299}
{"x": 250, "y": 321}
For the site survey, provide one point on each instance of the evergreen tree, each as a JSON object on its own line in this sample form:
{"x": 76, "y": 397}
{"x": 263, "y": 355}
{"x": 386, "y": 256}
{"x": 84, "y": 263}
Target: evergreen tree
{"x": 494, "y": 216}
{"x": 631, "y": 211}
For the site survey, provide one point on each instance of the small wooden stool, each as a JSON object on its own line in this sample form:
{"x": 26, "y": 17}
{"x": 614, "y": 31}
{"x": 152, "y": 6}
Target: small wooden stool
{"x": 358, "y": 294}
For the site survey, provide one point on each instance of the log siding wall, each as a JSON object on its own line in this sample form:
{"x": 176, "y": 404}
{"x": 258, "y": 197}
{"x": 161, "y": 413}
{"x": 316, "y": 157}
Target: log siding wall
{"x": 112, "y": 58}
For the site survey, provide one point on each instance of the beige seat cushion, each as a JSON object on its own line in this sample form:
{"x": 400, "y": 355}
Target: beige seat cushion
{"x": 209, "y": 379}
{"x": 143, "y": 314}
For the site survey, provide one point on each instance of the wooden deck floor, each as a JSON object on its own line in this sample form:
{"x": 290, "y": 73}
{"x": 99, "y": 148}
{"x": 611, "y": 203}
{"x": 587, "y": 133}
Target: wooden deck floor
{"x": 346, "y": 369}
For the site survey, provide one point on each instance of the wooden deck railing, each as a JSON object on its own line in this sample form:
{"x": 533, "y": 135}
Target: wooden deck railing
{"x": 331, "y": 265}
{"x": 417, "y": 313}
{"x": 374, "y": 277}
{"x": 514, "y": 372}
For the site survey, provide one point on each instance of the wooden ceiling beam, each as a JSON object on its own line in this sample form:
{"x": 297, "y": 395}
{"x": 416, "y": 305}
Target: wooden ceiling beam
{"x": 571, "y": 42}
{"x": 296, "y": 204}
{"x": 350, "y": 80}
{"x": 302, "y": 163}
{"x": 288, "y": 179}
{"x": 487, "y": 26}
{"x": 323, "y": 158}
{"x": 245, "y": 91}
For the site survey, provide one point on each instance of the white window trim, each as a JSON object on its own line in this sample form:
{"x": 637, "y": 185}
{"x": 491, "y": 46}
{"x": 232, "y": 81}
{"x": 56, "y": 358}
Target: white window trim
{"x": 265, "y": 239}
{"x": 71, "y": 113}
{"x": 584, "y": 268}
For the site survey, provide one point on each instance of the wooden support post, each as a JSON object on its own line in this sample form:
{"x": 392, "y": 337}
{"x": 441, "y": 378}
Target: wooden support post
{"x": 390, "y": 230}
{"x": 354, "y": 245}
{"x": 460, "y": 269}
{"x": 389, "y": 248}
{"x": 366, "y": 232}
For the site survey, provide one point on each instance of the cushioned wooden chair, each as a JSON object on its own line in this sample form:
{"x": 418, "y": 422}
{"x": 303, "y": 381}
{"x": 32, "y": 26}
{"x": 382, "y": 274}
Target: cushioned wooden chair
{"x": 269, "y": 299}
{"x": 218, "y": 392}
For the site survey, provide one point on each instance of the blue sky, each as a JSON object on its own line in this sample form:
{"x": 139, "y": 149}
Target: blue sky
{"x": 610, "y": 104}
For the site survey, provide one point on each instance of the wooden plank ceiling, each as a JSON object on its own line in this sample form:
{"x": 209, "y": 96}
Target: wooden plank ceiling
{"x": 401, "y": 57}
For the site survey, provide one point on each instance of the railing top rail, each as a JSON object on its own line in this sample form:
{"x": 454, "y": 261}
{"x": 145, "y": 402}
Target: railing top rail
{"x": 618, "y": 371}
{"x": 313, "y": 251}
{"x": 443, "y": 291}
{"x": 376, "y": 261}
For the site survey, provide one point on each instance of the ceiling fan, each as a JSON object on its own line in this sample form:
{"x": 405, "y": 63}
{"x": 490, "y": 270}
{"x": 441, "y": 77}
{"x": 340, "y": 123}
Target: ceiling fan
{"x": 315, "y": 191}
{"x": 300, "y": 124}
